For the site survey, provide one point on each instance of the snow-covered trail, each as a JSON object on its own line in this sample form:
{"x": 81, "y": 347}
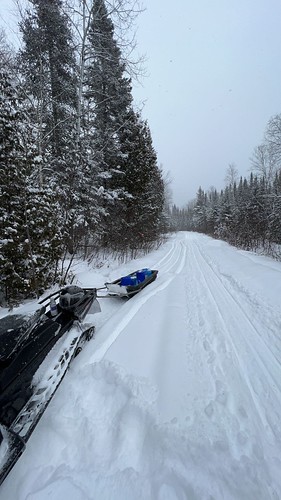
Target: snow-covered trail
{"x": 179, "y": 394}
{"x": 210, "y": 356}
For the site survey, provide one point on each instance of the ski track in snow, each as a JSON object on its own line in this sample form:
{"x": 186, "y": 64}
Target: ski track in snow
{"x": 177, "y": 397}
{"x": 172, "y": 264}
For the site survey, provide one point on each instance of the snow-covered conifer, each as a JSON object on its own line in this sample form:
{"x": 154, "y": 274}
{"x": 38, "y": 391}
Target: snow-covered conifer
{"x": 29, "y": 236}
{"x": 48, "y": 65}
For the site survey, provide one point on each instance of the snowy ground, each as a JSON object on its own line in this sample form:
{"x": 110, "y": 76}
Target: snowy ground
{"x": 178, "y": 396}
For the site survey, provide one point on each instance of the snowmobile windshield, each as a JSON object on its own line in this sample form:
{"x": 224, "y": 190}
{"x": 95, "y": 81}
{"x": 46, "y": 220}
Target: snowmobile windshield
{"x": 14, "y": 329}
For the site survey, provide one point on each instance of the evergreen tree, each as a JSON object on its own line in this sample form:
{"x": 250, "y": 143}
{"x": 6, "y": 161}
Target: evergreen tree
{"x": 274, "y": 212}
{"x": 126, "y": 163}
{"x": 141, "y": 217}
{"x": 108, "y": 91}
{"x": 29, "y": 239}
{"x": 48, "y": 65}
{"x": 12, "y": 170}
{"x": 200, "y": 218}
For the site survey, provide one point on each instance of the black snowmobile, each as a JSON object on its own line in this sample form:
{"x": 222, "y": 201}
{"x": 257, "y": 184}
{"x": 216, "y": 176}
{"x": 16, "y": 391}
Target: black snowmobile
{"x": 35, "y": 353}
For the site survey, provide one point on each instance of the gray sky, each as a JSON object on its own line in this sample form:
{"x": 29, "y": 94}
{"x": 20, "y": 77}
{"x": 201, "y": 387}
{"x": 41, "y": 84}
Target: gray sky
{"x": 214, "y": 80}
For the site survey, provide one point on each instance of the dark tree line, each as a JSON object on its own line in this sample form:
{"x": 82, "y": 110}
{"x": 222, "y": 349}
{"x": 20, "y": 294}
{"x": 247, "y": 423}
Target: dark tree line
{"x": 78, "y": 168}
{"x": 247, "y": 213}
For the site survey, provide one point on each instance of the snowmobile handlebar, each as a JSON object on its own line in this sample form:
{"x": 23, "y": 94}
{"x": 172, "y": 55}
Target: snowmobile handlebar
{"x": 59, "y": 291}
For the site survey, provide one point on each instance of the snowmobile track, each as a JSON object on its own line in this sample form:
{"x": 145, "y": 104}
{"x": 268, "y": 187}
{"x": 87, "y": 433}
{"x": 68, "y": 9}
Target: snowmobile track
{"x": 217, "y": 291}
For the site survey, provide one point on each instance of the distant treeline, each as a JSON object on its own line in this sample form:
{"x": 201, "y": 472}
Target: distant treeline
{"x": 247, "y": 213}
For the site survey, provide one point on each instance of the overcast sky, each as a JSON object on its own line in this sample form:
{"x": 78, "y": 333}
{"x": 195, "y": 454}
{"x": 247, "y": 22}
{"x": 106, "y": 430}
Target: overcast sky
{"x": 214, "y": 80}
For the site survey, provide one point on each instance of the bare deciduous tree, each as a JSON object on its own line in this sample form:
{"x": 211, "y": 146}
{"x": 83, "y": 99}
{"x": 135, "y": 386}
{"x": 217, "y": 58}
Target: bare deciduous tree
{"x": 231, "y": 174}
{"x": 263, "y": 163}
{"x": 7, "y": 55}
{"x": 123, "y": 14}
{"x": 273, "y": 144}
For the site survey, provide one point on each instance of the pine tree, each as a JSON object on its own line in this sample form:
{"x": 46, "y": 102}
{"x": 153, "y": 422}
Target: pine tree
{"x": 12, "y": 174}
{"x": 48, "y": 64}
{"x": 29, "y": 237}
{"x": 125, "y": 157}
{"x": 276, "y": 210}
{"x": 108, "y": 90}
{"x": 109, "y": 97}
{"x": 200, "y": 218}
{"x": 144, "y": 183}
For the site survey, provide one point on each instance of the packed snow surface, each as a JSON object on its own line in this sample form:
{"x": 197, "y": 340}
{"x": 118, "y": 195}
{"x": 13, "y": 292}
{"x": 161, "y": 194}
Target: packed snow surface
{"x": 178, "y": 396}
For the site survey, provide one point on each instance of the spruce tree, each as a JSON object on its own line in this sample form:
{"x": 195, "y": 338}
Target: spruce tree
{"x": 125, "y": 158}
{"x": 29, "y": 233}
{"x": 143, "y": 181}
{"x": 48, "y": 64}
{"x": 13, "y": 250}
{"x": 108, "y": 92}
{"x": 275, "y": 212}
